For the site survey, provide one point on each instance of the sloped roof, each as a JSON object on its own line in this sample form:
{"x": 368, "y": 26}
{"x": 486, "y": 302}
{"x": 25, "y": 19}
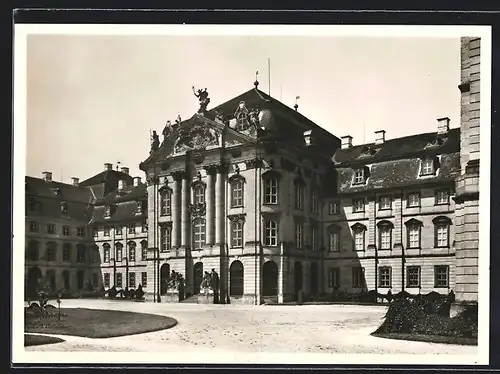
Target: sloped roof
{"x": 400, "y": 147}
{"x": 67, "y": 192}
{"x": 125, "y": 212}
{"x": 107, "y": 176}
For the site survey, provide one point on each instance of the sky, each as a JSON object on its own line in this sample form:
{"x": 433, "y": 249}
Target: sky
{"x": 93, "y": 99}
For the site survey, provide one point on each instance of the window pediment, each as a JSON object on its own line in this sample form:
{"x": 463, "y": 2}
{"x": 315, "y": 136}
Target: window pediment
{"x": 385, "y": 224}
{"x": 236, "y": 178}
{"x": 333, "y": 228}
{"x": 358, "y": 227}
{"x": 198, "y": 183}
{"x": 443, "y": 220}
{"x": 413, "y": 222}
{"x": 271, "y": 174}
{"x": 237, "y": 217}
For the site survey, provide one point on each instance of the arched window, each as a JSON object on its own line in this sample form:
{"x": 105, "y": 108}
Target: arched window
{"x": 165, "y": 202}
{"x": 199, "y": 232}
{"x": 237, "y": 233}
{"x": 271, "y": 233}
{"x": 385, "y": 234}
{"x": 50, "y": 254}
{"x": 413, "y": 233}
{"x": 299, "y": 235}
{"x": 107, "y": 252}
{"x": 144, "y": 250}
{"x": 80, "y": 252}
{"x": 359, "y": 231}
{"x": 119, "y": 252}
{"x": 271, "y": 187}
{"x": 66, "y": 252}
{"x": 131, "y": 251}
{"x": 441, "y": 232}
{"x": 314, "y": 200}
{"x": 165, "y": 238}
{"x": 299, "y": 193}
{"x": 199, "y": 194}
{"x": 334, "y": 238}
{"x": 236, "y": 182}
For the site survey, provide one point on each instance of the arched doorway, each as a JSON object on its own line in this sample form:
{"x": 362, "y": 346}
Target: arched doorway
{"x": 236, "y": 279}
{"x": 298, "y": 278}
{"x": 34, "y": 275}
{"x": 198, "y": 277}
{"x": 164, "y": 275}
{"x": 66, "y": 280}
{"x": 270, "y": 279}
{"x": 314, "y": 279}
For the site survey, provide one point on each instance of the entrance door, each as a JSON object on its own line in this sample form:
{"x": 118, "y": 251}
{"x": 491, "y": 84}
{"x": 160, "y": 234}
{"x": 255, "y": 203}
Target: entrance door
{"x": 298, "y": 278}
{"x": 236, "y": 279}
{"x": 164, "y": 275}
{"x": 198, "y": 277}
{"x": 270, "y": 279}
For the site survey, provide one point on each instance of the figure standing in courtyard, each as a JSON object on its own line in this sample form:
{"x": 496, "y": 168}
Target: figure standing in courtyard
{"x": 214, "y": 280}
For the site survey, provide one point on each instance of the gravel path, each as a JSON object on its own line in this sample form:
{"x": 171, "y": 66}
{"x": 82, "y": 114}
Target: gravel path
{"x": 254, "y": 329}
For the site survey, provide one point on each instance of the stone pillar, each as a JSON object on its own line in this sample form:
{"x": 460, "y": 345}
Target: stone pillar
{"x": 220, "y": 222}
{"x": 211, "y": 201}
{"x": 185, "y": 220}
{"x": 219, "y": 207}
{"x": 281, "y": 276}
{"x": 176, "y": 211}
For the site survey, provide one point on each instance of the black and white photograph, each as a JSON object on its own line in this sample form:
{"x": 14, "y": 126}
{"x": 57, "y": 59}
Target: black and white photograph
{"x": 251, "y": 194}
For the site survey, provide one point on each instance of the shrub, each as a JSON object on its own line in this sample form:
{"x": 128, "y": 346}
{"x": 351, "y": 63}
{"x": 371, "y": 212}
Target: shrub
{"x": 401, "y": 316}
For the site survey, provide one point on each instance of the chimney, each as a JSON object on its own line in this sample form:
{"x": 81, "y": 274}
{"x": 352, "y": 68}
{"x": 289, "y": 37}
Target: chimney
{"x": 137, "y": 181}
{"x": 75, "y": 181}
{"x": 380, "y": 137}
{"x": 47, "y": 176}
{"x": 443, "y": 125}
{"x": 108, "y": 166}
{"x": 307, "y": 137}
{"x": 125, "y": 170}
{"x": 121, "y": 184}
{"x": 346, "y": 141}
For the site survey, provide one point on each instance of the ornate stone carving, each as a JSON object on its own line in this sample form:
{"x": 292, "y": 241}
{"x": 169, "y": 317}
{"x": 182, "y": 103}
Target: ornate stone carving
{"x": 254, "y": 163}
{"x": 211, "y": 169}
{"x": 155, "y": 142}
{"x": 167, "y": 131}
{"x": 237, "y": 217}
{"x": 178, "y": 175}
{"x": 197, "y": 210}
{"x": 202, "y": 96}
{"x": 197, "y": 137}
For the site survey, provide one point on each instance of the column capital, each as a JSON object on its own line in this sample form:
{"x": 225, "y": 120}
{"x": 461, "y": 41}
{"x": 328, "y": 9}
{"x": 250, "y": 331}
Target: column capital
{"x": 254, "y": 163}
{"x": 222, "y": 168}
{"x": 178, "y": 175}
{"x": 210, "y": 169}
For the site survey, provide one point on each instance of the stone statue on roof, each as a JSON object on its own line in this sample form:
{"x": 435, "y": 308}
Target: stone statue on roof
{"x": 167, "y": 130}
{"x": 202, "y": 96}
{"x": 155, "y": 142}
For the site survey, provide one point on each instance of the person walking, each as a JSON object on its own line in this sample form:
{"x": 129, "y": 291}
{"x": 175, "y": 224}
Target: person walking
{"x": 214, "y": 282}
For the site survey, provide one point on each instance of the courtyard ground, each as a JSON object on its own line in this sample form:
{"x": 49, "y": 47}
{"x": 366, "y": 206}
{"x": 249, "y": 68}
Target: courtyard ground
{"x": 253, "y": 329}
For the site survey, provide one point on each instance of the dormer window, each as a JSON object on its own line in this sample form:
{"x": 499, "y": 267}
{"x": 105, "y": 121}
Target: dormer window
{"x": 139, "y": 207}
{"x": 359, "y": 176}
{"x": 64, "y": 208}
{"x": 107, "y": 211}
{"x": 428, "y": 166}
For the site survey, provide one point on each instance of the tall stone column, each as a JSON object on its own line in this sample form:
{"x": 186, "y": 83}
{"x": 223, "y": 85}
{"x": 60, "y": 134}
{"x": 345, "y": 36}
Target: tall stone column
{"x": 220, "y": 229}
{"x": 185, "y": 220}
{"x": 219, "y": 206}
{"x": 211, "y": 201}
{"x": 176, "y": 210}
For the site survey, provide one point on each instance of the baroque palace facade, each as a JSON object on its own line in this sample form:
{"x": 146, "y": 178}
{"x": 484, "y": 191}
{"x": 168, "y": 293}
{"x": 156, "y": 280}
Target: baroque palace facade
{"x": 277, "y": 205}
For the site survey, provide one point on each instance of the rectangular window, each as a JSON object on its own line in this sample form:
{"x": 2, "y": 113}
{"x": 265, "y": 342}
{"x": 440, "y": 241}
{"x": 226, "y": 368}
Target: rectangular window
{"x": 106, "y": 254}
{"x": 118, "y": 231}
{"x": 237, "y": 194}
{"x": 199, "y": 195}
{"x": 334, "y": 241}
{"x": 119, "y": 277}
{"x": 333, "y": 208}
{"x": 131, "y": 252}
{"x": 358, "y": 205}
{"x": 165, "y": 203}
{"x": 237, "y": 234}
{"x": 358, "y": 277}
{"x": 271, "y": 233}
{"x": 413, "y": 276}
{"x": 144, "y": 279}
{"x": 131, "y": 280}
{"x": 384, "y": 276}
{"x": 299, "y": 196}
{"x": 131, "y": 228}
{"x": 80, "y": 231}
{"x": 144, "y": 254}
{"x": 80, "y": 253}
{"x": 334, "y": 278}
{"x": 66, "y": 252}
{"x": 106, "y": 280}
{"x": 359, "y": 176}
{"x": 271, "y": 191}
{"x": 442, "y": 235}
{"x": 165, "y": 238}
{"x": 51, "y": 228}
{"x": 119, "y": 253}
{"x": 359, "y": 240}
{"x": 384, "y": 203}
{"x": 107, "y": 229}
{"x": 199, "y": 231}
{"x": 314, "y": 201}
{"x": 314, "y": 238}
{"x": 442, "y": 197}
{"x": 299, "y": 231}
{"x": 428, "y": 166}
{"x": 66, "y": 230}
{"x": 385, "y": 237}
{"x": 413, "y": 200}
{"x": 441, "y": 275}
{"x": 33, "y": 227}
{"x": 414, "y": 237}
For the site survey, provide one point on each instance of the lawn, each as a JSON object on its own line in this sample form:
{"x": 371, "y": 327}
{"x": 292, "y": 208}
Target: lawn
{"x": 94, "y": 323}
{"x": 30, "y": 340}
